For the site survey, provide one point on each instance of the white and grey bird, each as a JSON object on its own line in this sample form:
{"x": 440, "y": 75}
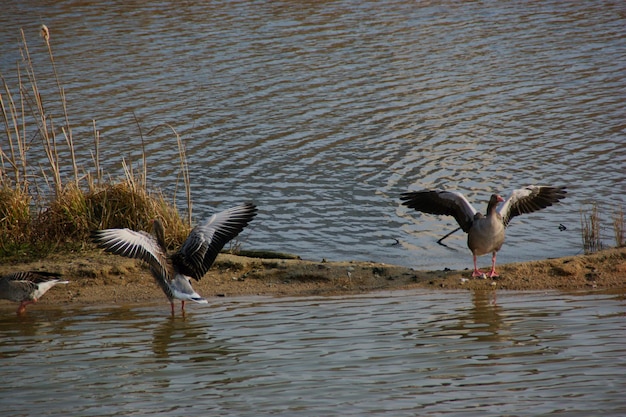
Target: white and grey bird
{"x": 485, "y": 233}
{"x": 27, "y": 287}
{"x": 173, "y": 272}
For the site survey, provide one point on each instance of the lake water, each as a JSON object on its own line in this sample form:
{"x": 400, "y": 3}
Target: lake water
{"x": 386, "y": 354}
{"x": 324, "y": 112}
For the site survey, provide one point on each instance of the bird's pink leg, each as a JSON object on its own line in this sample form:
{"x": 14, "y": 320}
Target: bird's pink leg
{"x": 172, "y": 305}
{"x": 22, "y": 307}
{"x": 493, "y": 272}
{"x": 477, "y": 272}
{"x": 182, "y": 307}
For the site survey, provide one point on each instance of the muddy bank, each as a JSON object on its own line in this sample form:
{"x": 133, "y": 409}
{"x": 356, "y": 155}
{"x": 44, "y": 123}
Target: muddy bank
{"x": 97, "y": 277}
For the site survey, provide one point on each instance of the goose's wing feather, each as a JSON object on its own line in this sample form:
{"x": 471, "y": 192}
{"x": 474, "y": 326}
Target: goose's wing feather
{"x": 35, "y": 277}
{"x": 196, "y": 255}
{"x": 442, "y": 202}
{"x": 132, "y": 244}
{"x": 530, "y": 199}
{"x": 18, "y": 282}
{"x": 43, "y": 276}
{"x": 26, "y": 284}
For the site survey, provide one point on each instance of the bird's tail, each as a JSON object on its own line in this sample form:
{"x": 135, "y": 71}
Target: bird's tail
{"x": 199, "y": 300}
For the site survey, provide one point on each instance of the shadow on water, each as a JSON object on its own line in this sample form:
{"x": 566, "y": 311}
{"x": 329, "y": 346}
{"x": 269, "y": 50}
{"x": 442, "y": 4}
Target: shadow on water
{"x": 188, "y": 337}
{"x": 36, "y": 324}
{"x": 484, "y": 320}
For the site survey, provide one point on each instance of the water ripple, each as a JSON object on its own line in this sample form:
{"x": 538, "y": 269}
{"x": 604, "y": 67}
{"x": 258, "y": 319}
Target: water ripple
{"x": 323, "y": 113}
{"x": 397, "y": 353}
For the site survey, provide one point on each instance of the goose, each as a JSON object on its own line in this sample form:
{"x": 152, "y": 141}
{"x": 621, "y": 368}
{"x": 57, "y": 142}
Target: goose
{"x": 27, "y": 287}
{"x": 485, "y": 233}
{"x": 193, "y": 259}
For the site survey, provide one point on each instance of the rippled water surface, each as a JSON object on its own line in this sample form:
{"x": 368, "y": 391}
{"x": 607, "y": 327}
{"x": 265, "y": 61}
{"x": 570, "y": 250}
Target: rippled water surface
{"x": 324, "y": 112}
{"x": 395, "y": 354}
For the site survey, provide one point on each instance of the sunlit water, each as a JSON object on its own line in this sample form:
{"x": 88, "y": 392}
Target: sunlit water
{"x": 392, "y": 354}
{"x": 324, "y": 112}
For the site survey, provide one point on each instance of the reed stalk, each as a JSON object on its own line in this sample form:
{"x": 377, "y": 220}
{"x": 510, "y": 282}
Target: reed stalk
{"x": 618, "y": 227}
{"x": 184, "y": 168}
{"x": 143, "y": 149}
{"x": 37, "y": 219}
{"x": 590, "y": 225}
{"x": 67, "y": 130}
{"x": 12, "y": 158}
{"x": 44, "y": 122}
{"x": 95, "y": 156}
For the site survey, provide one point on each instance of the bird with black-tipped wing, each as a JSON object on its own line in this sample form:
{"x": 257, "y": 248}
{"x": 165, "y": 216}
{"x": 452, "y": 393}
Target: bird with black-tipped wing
{"x": 485, "y": 233}
{"x": 193, "y": 259}
{"x": 27, "y": 287}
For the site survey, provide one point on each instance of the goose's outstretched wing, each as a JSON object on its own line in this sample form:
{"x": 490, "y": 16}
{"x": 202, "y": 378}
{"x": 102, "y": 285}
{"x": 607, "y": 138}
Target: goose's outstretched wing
{"x": 28, "y": 284}
{"x": 31, "y": 278}
{"x": 196, "y": 255}
{"x": 16, "y": 285}
{"x": 529, "y": 199}
{"x": 132, "y": 244}
{"x": 449, "y": 203}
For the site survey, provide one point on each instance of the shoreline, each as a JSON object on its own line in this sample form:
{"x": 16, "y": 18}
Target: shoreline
{"x": 98, "y": 277}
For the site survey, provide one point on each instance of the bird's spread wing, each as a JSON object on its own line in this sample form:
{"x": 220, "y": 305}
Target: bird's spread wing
{"x": 132, "y": 244}
{"x": 530, "y": 199}
{"x": 35, "y": 277}
{"x": 20, "y": 281}
{"x": 205, "y": 241}
{"x": 449, "y": 203}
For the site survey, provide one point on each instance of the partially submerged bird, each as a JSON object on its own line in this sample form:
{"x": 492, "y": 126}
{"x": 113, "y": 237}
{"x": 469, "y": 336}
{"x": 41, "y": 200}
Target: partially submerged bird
{"x": 27, "y": 287}
{"x": 485, "y": 233}
{"x": 192, "y": 260}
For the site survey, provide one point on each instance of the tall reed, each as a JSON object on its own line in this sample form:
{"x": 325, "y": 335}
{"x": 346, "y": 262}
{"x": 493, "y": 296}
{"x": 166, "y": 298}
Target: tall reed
{"x": 40, "y": 206}
{"x": 590, "y": 225}
{"x": 618, "y": 227}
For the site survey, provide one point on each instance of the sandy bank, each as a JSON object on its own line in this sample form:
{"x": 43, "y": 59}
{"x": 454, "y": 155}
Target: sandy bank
{"x": 97, "y": 277}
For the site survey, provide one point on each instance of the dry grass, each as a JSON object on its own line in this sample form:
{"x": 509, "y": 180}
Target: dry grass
{"x": 58, "y": 204}
{"x": 591, "y": 229}
{"x": 15, "y": 219}
{"x": 590, "y": 225}
{"x": 618, "y": 228}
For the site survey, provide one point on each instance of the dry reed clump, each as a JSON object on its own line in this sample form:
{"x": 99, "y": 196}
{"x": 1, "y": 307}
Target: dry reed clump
{"x": 40, "y": 207}
{"x": 75, "y": 213}
{"x": 15, "y": 218}
{"x": 590, "y": 225}
{"x": 591, "y": 229}
{"x": 123, "y": 205}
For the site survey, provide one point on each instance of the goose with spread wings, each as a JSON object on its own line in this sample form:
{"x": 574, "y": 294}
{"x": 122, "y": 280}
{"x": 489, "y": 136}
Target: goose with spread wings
{"x": 27, "y": 287}
{"x": 485, "y": 233}
{"x": 173, "y": 272}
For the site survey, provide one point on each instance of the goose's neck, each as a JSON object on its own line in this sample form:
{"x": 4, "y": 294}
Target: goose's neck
{"x": 493, "y": 205}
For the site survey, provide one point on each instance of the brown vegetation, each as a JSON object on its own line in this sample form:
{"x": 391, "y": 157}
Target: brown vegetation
{"x": 42, "y": 210}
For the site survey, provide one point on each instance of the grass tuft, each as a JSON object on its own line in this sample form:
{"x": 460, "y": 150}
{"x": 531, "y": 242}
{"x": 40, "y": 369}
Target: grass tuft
{"x": 15, "y": 218}
{"x": 591, "y": 229}
{"x": 590, "y": 225}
